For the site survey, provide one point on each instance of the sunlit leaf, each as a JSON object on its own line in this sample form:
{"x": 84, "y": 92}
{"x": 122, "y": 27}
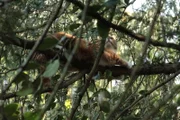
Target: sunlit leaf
{"x": 68, "y": 103}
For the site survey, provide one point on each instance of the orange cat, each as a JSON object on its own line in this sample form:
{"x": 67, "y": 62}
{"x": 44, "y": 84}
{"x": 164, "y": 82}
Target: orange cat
{"x": 87, "y": 51}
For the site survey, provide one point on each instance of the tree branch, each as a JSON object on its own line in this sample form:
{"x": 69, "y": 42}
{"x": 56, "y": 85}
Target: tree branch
{"x": 149, "y": 92}
{"x": 28, "y": 44}
{"x": 122, "y": 29}
{"x": 36, "y": 45}
{"x": 12, "y": 40}
{"x": 146, "y": 69}
{"x": 65, "y": 84}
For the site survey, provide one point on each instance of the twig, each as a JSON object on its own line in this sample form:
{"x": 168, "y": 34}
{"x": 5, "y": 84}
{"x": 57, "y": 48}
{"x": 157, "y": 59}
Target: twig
{"x": 24, "y": 64}
{"x": 63, "y": 73}
{"x": 119, "y": 28}
{"x": 122, "y": 29}
{"x": 8, "y": 71}
{"x": 65, "y": 84}
{"x": 162, "y": 102}
{"x": 95, "y": 66}
{"x": 77, "y": 102}
{"x": 3, "y": 2}
{"x": 141, "y": 58}
{"x": 82, "y": 92}
{"x": 149, "y": 92}
{"x": 148, "y": 38}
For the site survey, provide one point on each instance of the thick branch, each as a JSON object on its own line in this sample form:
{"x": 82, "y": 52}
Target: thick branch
{"x": 8, "y": 39}
{"x": 116, "y": 71}
{"x": 148, "y": 69}
{"x": 144, "y": 69}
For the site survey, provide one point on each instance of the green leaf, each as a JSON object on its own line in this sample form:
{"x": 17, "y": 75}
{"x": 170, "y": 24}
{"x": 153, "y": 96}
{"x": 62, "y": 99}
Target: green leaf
{"x": 143, "y": 92}
{"x": 51, "y": 69}
{"x": 79, "y": 89}
{"x": 101, "y": 116}
{"x": 30, "y": 106}
{"x": 131, "y": 117}
{"x": 103, "y": 30}
{"x": 22, "y": 77}
{"x": 126, "y": 1}
{"x": 105, "y": 106}
{"x": 11, "y": 108}
{"x": 108, "y": 75}
{"x": 72, "y": 27}
{"x": 56, "y": 77}
{"x": 95, "y": 116}
{"x": 103, "y": 100}
{"x": 52, "y": 106}
{"x": 178, "y": 101}
{"x": 26, "y": 88}
{"x": 74, "y": 9}
{"x": 92, "y": 88}
{"x": 48, "y": 43}
{"x": 30, "y": 115}
{"x": 32, "y": 66}
{"x": 87, "y": 18}
{"x": 13, "y": 117}
{"x": 85, "y": 107}
{"x": 95, "y": 8}
{"x": 111, "y": 3}
{"x": 105, "y": 93}
{"x": 25, "y": 91}
{"x": 60, "y": 117}
{"x": 84, "y": 118}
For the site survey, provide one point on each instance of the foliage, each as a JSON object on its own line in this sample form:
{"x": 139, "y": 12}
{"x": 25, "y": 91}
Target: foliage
{"x": 126, "y": 97}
